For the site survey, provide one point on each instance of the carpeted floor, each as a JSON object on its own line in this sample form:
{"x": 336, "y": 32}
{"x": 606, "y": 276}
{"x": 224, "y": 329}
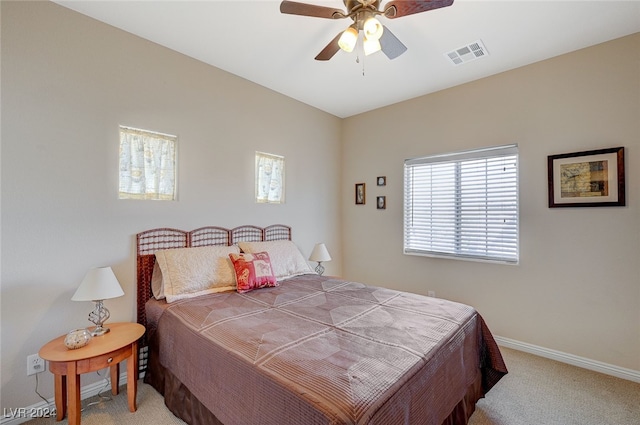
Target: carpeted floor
{"x": 539, "y": 391}
{"x": 536, "y": 391}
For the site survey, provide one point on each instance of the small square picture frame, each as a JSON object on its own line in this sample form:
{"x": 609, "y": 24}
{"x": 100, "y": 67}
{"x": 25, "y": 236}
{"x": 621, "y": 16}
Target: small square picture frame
{"x": 381, "y": 180}
{"x": 360, "y": 194}
{"x": 381, "y": 202}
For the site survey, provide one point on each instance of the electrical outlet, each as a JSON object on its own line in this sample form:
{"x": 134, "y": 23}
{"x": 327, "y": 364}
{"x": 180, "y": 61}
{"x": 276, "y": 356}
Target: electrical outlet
{"x": 431, "y": 294}
{"x": 35, "y": 364}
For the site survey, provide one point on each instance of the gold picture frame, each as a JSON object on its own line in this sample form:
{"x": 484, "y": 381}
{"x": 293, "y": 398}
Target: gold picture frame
{"x": 587, "y": 179}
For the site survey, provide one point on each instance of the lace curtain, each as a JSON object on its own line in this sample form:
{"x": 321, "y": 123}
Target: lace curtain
{"x": 147, "y": 165}
{"x": 269, "y": 178}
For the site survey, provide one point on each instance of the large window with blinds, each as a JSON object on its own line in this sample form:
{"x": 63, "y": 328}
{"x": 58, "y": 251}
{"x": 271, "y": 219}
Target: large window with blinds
{"x": 463, "y": 205}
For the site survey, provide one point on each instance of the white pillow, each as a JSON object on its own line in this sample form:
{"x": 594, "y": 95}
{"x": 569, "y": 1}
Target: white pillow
{"x": 286, "y": 259}
{"x": 157, "y": 284}
{"x": 189, "y": 272}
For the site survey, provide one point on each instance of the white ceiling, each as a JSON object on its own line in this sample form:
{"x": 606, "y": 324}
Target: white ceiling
{"x": 253, "y": 40}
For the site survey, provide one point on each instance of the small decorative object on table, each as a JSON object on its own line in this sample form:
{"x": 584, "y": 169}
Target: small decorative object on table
{"x": 320, "y": 254}
{"x": 77, "y": 338}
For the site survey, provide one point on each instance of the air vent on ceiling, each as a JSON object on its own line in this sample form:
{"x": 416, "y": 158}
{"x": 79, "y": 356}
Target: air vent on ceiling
{"x": 470, "y": 52}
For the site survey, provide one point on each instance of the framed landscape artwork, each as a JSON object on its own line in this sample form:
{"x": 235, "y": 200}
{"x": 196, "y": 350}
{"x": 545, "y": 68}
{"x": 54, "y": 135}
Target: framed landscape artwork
{"x": 587, "y": 179}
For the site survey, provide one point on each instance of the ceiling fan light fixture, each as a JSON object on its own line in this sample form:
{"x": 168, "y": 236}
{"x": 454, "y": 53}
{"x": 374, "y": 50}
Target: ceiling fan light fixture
{"x": 371, "y": 45}
{"x": 363, "y": 13}
{"x": 372, "y": 29}
{"x": 348, "y": 39}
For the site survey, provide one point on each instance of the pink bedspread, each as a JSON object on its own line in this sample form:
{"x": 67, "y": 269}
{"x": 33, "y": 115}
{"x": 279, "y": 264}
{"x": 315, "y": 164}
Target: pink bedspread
{"x": 318, "y": 350}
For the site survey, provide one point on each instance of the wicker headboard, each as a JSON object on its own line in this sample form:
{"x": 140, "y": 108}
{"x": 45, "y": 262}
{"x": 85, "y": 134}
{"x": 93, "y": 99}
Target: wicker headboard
{"x": 150, "y": 241}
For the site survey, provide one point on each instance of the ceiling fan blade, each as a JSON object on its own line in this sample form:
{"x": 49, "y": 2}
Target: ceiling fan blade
{"x": 295, "y": 8}
{"x": 330, "y": 49}
{"x": 391, "y": 46}
{"x": 399, "y": 8}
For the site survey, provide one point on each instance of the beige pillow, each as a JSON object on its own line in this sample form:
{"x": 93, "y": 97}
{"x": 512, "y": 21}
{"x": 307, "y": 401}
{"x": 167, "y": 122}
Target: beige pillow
{"x": 189, "y": 272}
{"x": 286, "y": 259}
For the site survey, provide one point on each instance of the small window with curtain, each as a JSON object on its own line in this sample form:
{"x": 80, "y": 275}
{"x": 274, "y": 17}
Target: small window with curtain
{"x": 463, "y": 205}
{"x": 147, "y": 165}
{"x": 269, "y": 178}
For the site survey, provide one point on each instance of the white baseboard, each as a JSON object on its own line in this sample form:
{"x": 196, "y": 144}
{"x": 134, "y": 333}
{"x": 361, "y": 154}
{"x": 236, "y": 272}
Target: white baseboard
{"x": 17, "y": 416}
{"x": 607, "y": 369}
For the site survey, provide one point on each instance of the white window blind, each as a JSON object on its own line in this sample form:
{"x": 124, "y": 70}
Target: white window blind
{"x": 147, "y": 165}
{"x": 269, "y": 178}
{"x": 463, "y": 205}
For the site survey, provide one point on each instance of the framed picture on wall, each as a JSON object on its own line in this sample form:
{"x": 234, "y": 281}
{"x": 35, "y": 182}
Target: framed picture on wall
{"x": 360, "y": 194}
{"x": 381, "y": 181}
{"x": 381, "y": 202}
{"x": 587, "y": 179}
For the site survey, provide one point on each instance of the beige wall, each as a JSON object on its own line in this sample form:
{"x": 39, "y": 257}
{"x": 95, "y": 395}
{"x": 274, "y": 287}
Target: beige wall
{"x": 577, "y": 287}
{"x": 67, "y": 83}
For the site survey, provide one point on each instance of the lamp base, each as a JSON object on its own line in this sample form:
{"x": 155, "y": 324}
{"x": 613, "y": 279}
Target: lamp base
{"x": 98, "y": 317}
{"x": 320, "y": 268}
{"x": 99, "y": 331}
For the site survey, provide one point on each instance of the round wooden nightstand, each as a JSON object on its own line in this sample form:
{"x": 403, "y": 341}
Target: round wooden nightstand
{"x": 108, "y": 350}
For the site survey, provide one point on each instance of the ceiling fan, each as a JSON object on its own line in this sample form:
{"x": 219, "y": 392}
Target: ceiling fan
{"x": 363, "y": 13}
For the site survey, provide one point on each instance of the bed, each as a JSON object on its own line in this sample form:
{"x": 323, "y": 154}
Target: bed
{"x": 300, "y": 349}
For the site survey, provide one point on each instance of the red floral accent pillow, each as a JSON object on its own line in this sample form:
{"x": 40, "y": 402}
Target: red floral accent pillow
{"x": 253, "y": 271}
